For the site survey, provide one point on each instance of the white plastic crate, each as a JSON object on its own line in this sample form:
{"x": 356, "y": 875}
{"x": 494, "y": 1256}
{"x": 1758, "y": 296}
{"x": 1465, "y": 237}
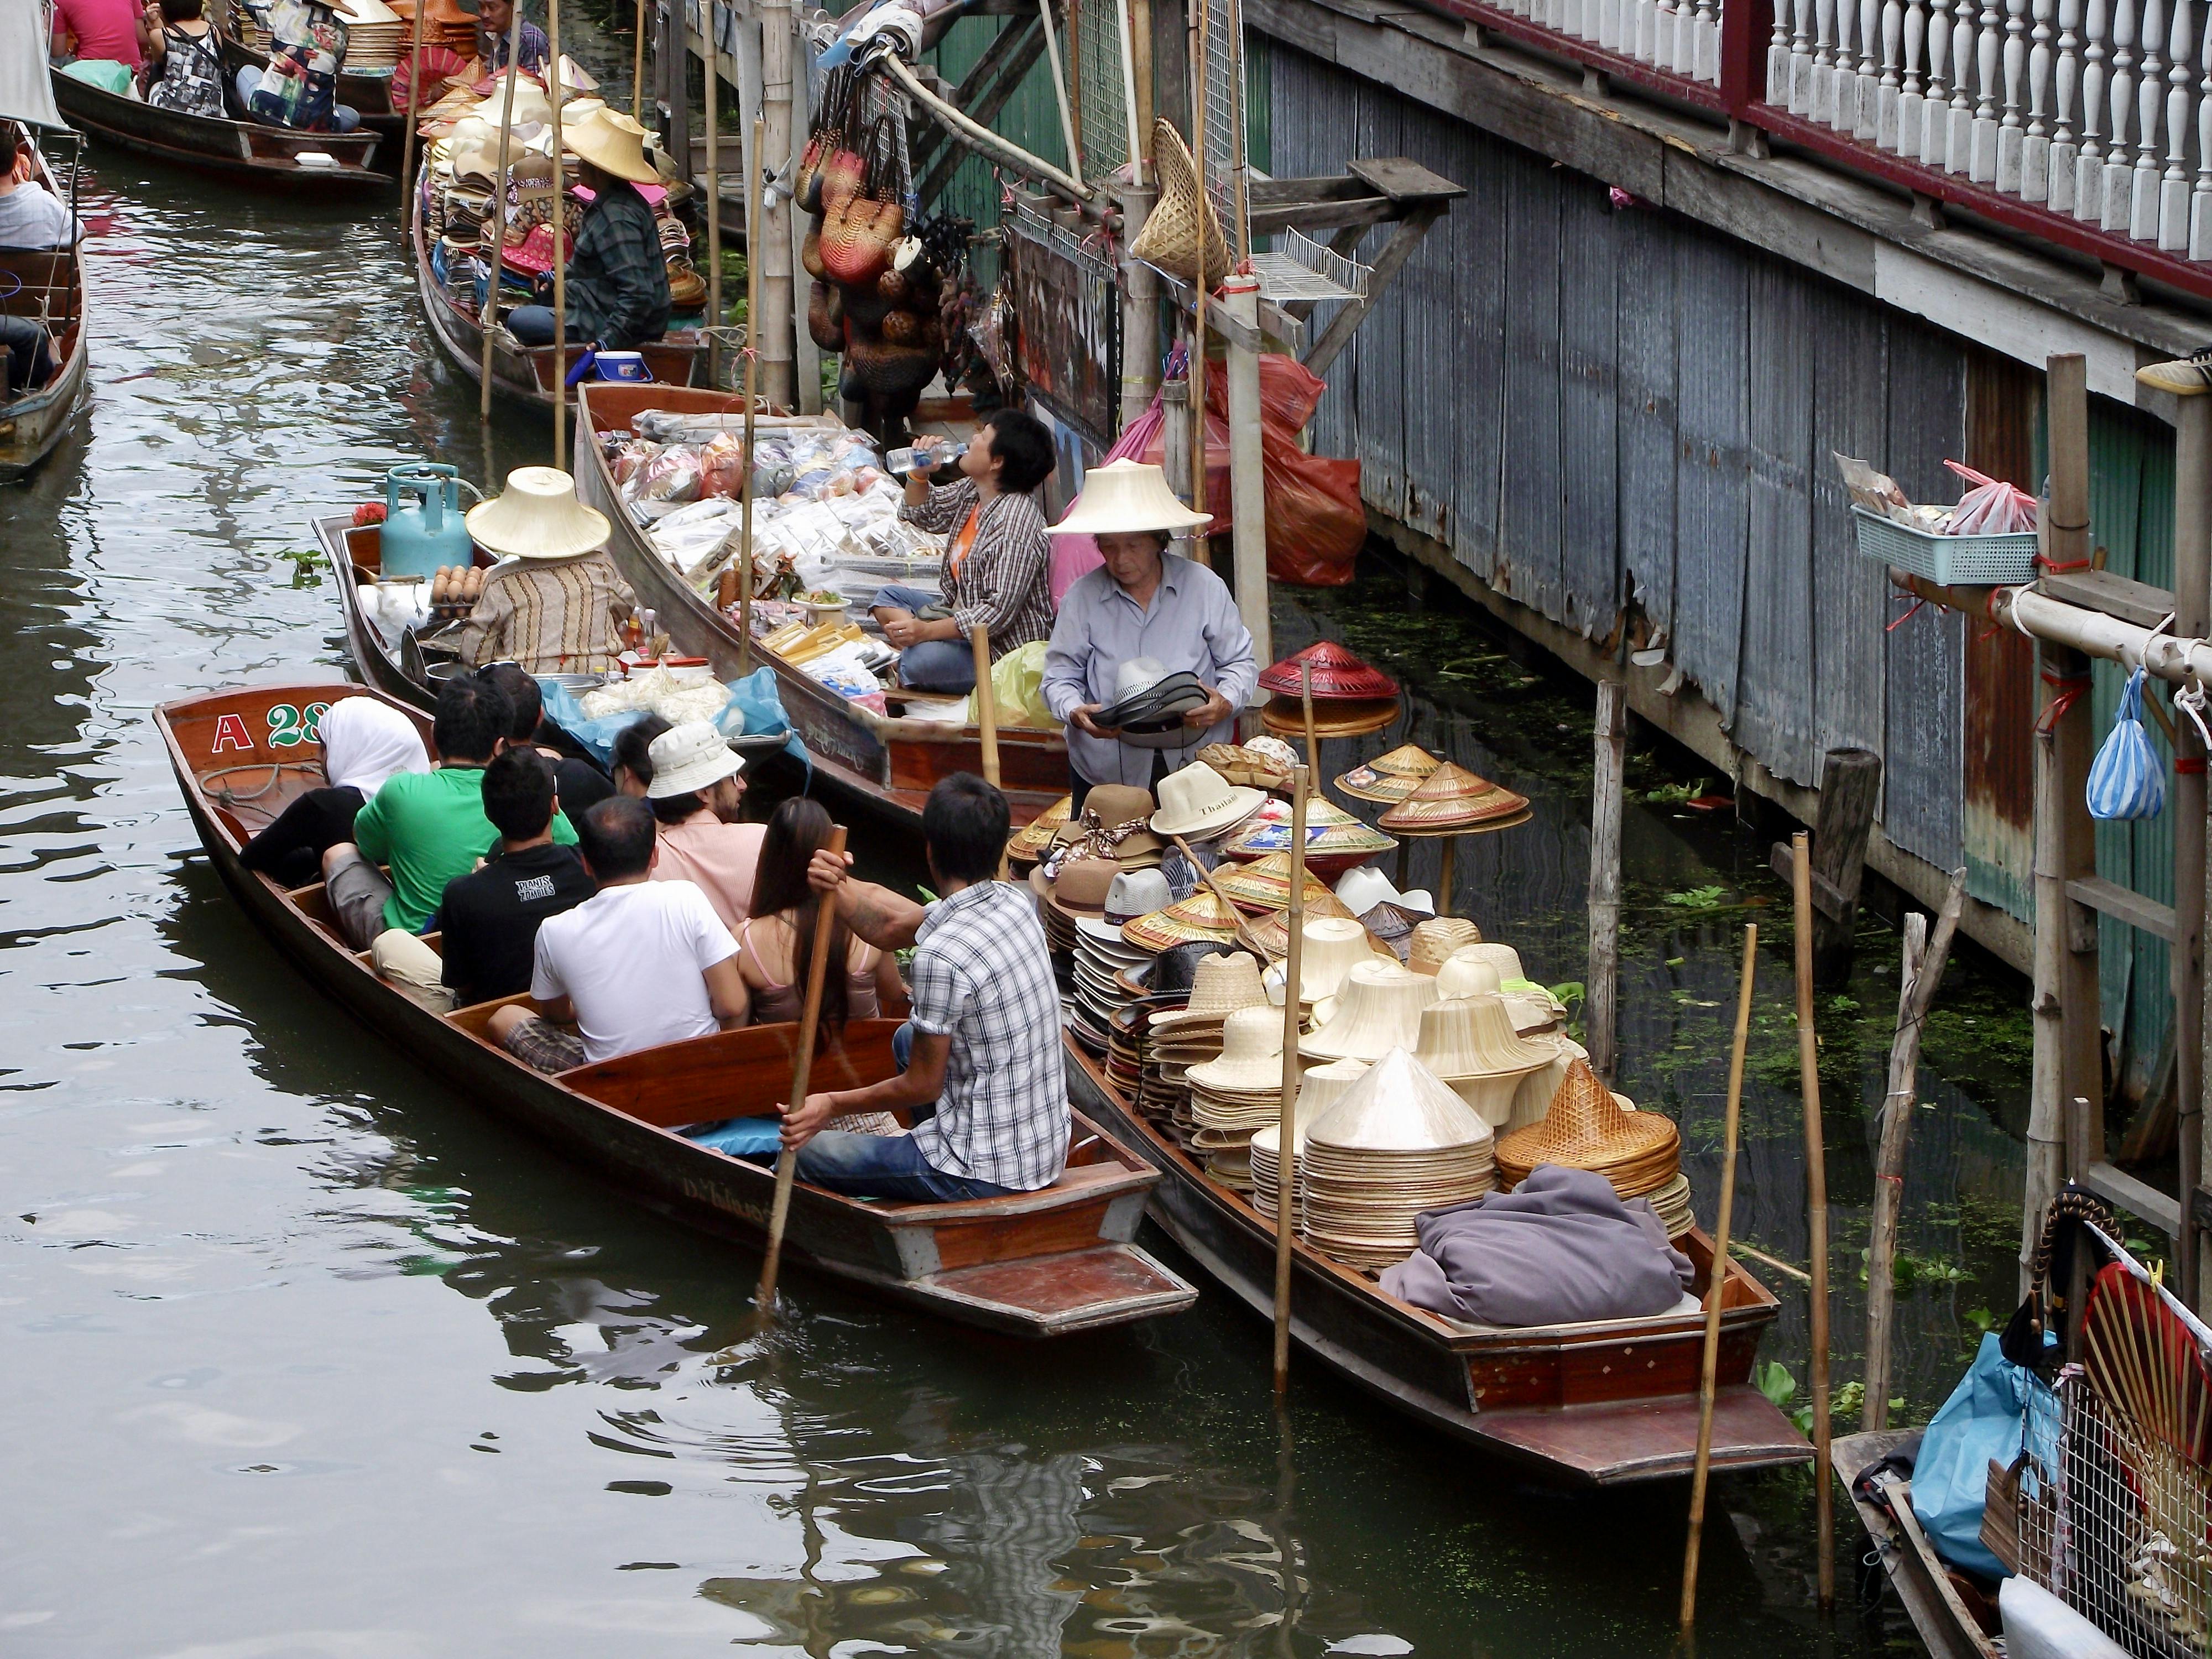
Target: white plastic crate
{"x": 1952, "y": 560}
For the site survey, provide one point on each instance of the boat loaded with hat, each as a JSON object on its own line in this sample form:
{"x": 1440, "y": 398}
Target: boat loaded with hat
{"x": 1033, "y": 1264}
{"x": 454, "y": 215}
{"x": 884, "y": 763}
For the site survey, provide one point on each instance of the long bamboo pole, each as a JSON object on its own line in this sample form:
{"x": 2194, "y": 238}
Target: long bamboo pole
{"x": 714, "y": 318}
{"x": 1129, "y": 96}
{"x": 753, "y": 239}
{"x": 488, "y": 318}
{"x": 1306, "y": 714}
{"x": 1301, "y": 781}
{"x": 1239, "y": 166}
{"x": 1197, "y": 372}
{"x": 1701, "y": 1471}
{"x": 987, "y": 707}
{"x": 802, "y": 1068}
{"x": 1816, "y": 1211}
{"x": 560, "y": 236}
{"x": 1608, "y": 740}
{"x": 637, "y": 70}
{"x": 414, "y": 103}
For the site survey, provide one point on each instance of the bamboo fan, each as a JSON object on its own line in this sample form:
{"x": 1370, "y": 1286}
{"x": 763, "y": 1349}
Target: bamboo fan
{"x": 2147, "y": 1372}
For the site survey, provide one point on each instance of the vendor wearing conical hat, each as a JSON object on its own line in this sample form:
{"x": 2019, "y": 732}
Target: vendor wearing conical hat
{"x": 1144, "y": 603}
{"x": 555, "y": 600}
{"x": 617, "y": 281}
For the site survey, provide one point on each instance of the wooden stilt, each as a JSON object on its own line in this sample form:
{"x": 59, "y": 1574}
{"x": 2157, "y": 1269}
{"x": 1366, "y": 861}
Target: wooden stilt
{"x": 1606, "y": 808}
{"x": 1816, "y": 1219}
{"x": 752, "y": 384}
{"x": 715, "y": 317}
{"x": 1702, "y": 1467}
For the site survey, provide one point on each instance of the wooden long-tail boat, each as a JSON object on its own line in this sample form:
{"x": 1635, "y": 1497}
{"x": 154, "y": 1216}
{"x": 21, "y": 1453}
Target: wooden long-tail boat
{"x": 47, "y": 286}
{"x": 1916, "y": 1573}
{"x": 1604, "y": 1404}
{"x": 884, "y": 765}
{"x": 245, "y": 152}
{"x": 1030, "y": 1264}
{"x": 525, "y": 375}
{"x": 388, "y": 663}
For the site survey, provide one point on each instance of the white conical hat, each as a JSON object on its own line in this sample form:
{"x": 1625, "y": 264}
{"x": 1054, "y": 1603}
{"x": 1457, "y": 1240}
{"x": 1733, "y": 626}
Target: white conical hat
{"x": 1399, "y": 1105}
{"x": 538, "y": 517}
{"x": 1126, "y": 497}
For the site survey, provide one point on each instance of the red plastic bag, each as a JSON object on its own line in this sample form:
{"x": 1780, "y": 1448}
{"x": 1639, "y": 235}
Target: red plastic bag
{"x": 1316, "y": 521}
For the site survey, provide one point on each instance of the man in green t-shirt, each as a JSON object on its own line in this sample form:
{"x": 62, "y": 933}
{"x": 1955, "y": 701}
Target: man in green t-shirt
{"x": 429, "y": 831}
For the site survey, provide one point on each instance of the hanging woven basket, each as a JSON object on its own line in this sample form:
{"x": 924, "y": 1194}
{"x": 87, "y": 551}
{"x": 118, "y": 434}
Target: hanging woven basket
{"x": 1183, "y": 227}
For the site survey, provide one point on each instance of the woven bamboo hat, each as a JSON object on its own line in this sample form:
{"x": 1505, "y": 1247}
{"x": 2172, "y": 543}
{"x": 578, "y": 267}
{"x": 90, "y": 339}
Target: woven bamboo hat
{"x": 1038, "y": 834}
{"x": 1435, "y": 939}
{"x": 1532, "y": 1099}
{"x": 1251, "y": 1054}
{"x": 1181, "y": 233}
{"x": 1197, "y": 800}
{"x": 1265, "y": 883}
{"x": 1336, "y": 674}
{"x": 1203, "y": 915}
{"x": 1586, "y": 1129}
{"x": 1124, "y": 498}
{"x": 538, "y": 516}
{"x": 1220, "y": 985}
{"x": 1389, "y": 778}
{"x": 1378, "y": 1009}
{"x": 1453, "y": 798}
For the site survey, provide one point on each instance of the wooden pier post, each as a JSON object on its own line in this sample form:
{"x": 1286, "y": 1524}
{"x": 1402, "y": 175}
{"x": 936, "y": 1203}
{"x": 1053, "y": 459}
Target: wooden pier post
{"x": 1851, "y": 785}
{"x": 1604, "y": 971}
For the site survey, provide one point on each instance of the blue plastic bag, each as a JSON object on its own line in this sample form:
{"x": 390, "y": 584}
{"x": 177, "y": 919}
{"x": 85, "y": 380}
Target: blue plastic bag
{"x": 2126, "y": 780}
{"x": 1980, "y": 1422}
{"x": 755, "y": 708}
{"x": 741, "y": 1137}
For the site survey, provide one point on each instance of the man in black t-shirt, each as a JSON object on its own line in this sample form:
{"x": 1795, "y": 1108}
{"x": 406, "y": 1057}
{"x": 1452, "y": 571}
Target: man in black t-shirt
{"x": 489, "y": 917}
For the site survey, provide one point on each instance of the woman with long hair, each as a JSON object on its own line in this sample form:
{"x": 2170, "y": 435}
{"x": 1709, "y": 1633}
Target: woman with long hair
{"x": 777, "y": 939}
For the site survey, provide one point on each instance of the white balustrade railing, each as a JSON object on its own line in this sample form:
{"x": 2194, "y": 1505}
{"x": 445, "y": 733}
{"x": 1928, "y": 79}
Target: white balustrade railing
{"x": 1675, "y": 37}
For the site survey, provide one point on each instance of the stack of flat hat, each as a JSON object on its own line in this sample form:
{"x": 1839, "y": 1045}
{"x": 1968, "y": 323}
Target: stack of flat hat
{"x": 1452, "y": 800}
{"x": 1236, "y": 1093}
{"x": 1378, "y": 1009}
{"x": 1028, "y": 844}
{"x": 1182, "y": 1037}
{"x": 1469, "y": 1042}
{"x": 1335, "y": 841}
{"x": 1350, "y": 699}
{"x": 1435, "y": 939}
{"x": 1078, "y": 894}
{"x": 1248, "y": 764}
{"x": 1319, "y": 1088}
{"x": 1264, "y": 884}
{"x": 1127, "y": 1034}
{"x": 1102, "y": 956}
{"x": 1399, "y": 1142}
{"x": 1203, "y": 915}
{"x": 1588, "y": 1129}
{"x": 1150, "y": 703}
{"x": 1388, "y": 779}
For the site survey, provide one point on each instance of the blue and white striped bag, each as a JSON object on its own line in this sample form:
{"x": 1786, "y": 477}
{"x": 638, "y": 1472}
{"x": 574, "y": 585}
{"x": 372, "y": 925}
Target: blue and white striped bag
{"x": 2126, "y": 780}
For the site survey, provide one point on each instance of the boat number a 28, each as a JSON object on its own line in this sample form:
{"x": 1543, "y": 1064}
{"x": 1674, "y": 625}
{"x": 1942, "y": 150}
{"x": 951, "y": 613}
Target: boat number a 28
{"x": 289, "y": 727}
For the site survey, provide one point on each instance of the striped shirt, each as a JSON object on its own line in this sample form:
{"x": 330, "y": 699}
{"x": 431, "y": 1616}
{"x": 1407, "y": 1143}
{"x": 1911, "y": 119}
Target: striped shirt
{"x": 552, "y": 615}
{"x": 1005, "y": 581}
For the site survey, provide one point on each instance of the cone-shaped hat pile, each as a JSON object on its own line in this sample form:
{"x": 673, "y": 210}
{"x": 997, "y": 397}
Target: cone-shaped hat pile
{"x": 1203, "y": 915}
{"x": 1452, "y": 798}
{"x": 1587, "y": 1128}
{"x": 1335, "y": 841}
{"x": 1027, "y": 842}
{"x": 1398, "y": 1143}
{"x": 1264, "y": 884}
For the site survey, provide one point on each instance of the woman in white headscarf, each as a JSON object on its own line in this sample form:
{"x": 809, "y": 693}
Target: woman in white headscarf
{"x": 365, "y": 741}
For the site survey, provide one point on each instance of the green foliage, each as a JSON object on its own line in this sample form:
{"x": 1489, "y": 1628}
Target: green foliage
{"x": 307, "y": 566}
{"x": 1699, "y": 898}
{"x": 1673, "y": 794}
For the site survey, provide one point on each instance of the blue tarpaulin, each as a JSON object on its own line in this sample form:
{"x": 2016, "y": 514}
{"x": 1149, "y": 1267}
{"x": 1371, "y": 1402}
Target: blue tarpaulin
{"x": 755, "y": 709}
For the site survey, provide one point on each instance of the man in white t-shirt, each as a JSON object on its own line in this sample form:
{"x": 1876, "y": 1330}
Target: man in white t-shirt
{"x": 639, "y": 964}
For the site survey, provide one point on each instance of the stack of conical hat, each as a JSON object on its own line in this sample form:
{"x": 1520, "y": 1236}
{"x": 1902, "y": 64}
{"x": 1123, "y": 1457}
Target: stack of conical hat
{"x": 1349, "y": 697}
{"x": 1398, "y": 1143}
{"x": 1180, "y": 1038}
{"x": 1321, "y": 1088}
{"x": 1452, "y": 800}
{"x": 1026, "y": 843}
{"x": 1390, "y": 778}
{"x": 1237, "y": 1093}
{"x": 1588, "y": 1128}
{"x": 1274, "y": 933}
{"x": 1264, "y": 884}
{"x": 1469, "y": 1042}
{"x": 1203, "y": 915}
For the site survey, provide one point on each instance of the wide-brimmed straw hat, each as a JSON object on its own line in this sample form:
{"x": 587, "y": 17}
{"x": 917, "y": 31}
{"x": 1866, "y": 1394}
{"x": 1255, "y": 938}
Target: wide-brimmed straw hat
{"x": 1435, "y": 939}
{"x": 1453, "y": 798}
{"x": 1378, "y": 1009}
{"x": 689, "y": 758}
{"x": 1332, "y": 947}
{"x": 1220, "y": 985}
{"x": 1124, "y": 498}
{"x": 1587, "y": 1128}
{"x": 1197, "y": 800}
{"x": 1389, "y": 778}
{"x": 1334, "y": 673}
{"x": 538, "y": 516}
{"x": 1251, "y": 1054}
{"x": 612, "y": 142}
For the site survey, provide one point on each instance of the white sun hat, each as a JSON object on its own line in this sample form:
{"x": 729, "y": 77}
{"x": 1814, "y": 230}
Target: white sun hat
{"x": 1124, "y": 498}
{"x": 538, "y": 517}
{"x": 691, "y": 757}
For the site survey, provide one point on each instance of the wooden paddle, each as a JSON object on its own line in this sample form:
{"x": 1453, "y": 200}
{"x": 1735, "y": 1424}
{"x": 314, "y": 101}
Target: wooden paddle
{"x": 802, "y": 1065}
{"x": 1245, "y": 936}
{"x": 1717, "y": 1289}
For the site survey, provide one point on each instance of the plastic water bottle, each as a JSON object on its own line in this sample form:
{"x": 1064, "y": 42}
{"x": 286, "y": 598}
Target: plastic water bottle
{"x": 924, "y": 457}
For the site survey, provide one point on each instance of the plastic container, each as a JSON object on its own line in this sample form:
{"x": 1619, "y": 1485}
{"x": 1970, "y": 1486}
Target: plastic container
{"x": 923, "y": 457}
{"x": 623, "y": 366}
{"x": 1952, "y": 560}
{"x": 424, "y": 534}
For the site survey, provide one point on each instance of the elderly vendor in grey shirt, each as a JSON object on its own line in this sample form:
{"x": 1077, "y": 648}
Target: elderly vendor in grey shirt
{"x": 1146, "y": 602}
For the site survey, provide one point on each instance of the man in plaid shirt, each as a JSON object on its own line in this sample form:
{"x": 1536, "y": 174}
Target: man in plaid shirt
{"x": 997, "y": 570}
{"x": 983, "y": 1077}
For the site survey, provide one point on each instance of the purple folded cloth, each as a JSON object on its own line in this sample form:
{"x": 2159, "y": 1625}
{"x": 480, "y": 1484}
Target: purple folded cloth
{"x": 1559, "y": 1249}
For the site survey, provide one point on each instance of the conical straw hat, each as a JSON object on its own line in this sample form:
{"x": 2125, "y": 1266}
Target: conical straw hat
{"x": 538, "y": 517}
{"x": 1251, "y": 1053}
{"x": 1028, "y": 843}
{"x": 1586, "y": 1130}
{"x": 1452, "y": 798}
{"x": 1435, "y": 939}
{"x": 1274, "y": 933}
{"x": 1336, "y": 674}
{"x": 1533, "y": 1098}
{"x": 1203, "y": 915}
{"x": 1331, "y": 832}
{"x": 1378, "y": 1009}
{"x": 1127, "y": 498}
{"x": 1398, "y": 1105}
{"x": 1390, "y": 778}
{"x": 1265, "y": 883}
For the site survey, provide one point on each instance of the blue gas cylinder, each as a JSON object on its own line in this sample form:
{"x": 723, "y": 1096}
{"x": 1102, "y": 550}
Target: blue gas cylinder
{"x": 420, "y": 537}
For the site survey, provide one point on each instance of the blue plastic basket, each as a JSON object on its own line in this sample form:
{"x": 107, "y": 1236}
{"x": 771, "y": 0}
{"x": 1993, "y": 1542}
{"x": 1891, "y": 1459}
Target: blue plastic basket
{"x": 1952, "y": 560}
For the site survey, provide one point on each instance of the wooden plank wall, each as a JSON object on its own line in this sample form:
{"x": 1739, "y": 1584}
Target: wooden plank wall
{"x": 1584, "y": 400}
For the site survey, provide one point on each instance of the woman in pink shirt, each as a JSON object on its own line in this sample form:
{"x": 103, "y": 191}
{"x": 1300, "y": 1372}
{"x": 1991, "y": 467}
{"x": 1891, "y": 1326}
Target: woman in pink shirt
{"x": 109, "y": 30}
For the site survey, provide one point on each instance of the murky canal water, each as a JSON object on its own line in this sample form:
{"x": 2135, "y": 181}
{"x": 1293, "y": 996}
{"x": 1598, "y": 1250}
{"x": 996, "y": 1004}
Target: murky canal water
{"x": 304, "y": 1355}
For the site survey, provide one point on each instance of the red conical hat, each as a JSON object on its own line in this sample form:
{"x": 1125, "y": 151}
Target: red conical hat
{"x": 1336, "y": 674}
